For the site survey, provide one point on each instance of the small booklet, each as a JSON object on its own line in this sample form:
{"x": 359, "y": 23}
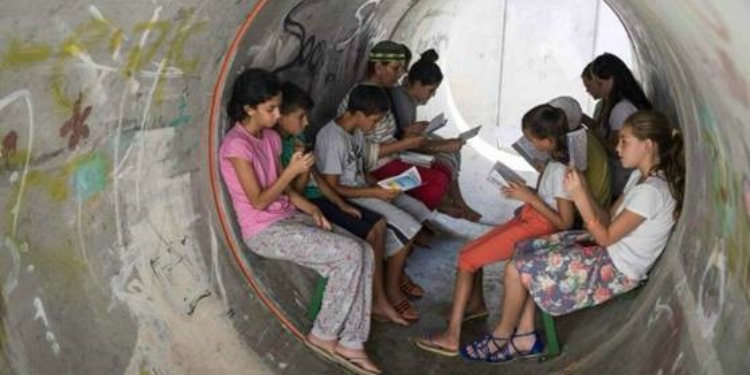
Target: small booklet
{"x": 469, "y": 134}
{"x": 577, "y": 149}
{"x": 436, "y": 123}
{"x": 501, "y": 174}
{"x": 415, "y": 158}
{"x": 527, "y": 151}
{"x": 407, "y": 180}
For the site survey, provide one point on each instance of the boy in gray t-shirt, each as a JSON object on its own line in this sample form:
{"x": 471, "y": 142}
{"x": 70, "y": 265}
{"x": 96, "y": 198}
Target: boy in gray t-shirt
{"x": 340, "y": 159}
{"x": 339, "y": 152}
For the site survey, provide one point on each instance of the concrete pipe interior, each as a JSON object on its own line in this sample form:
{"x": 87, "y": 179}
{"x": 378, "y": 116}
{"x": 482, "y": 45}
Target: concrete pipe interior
{"x": 119, "y": 252}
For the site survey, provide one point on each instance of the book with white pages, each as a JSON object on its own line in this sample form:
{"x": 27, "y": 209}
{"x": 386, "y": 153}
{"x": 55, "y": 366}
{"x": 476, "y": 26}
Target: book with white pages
{"x": 406, "y": 180}
{"x": 416, "y": 158}
{"x": 501, "y": 174}
{"x": 527, "y": 151}
{"x": 436, "y": 123}
{"x": 469, "y": 134}
{"x": 577, "y": 143}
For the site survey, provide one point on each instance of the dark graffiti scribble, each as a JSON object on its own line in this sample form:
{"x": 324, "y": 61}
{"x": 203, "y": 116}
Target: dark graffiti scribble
{"x": 311, "y": 52}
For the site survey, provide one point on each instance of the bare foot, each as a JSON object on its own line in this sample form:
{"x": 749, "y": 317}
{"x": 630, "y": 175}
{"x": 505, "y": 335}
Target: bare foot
{"x": 439, "y": 341}
{"x": 383, "y": 311}
{"x": 356, "y": 360}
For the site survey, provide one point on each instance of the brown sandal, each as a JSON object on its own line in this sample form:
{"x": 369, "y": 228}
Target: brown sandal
{"x": 411, "y": 289}
{"x": 404, "y": 307}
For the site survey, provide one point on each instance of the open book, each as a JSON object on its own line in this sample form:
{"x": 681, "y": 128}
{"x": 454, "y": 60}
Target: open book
{"x": 471, "y": 133}
{"x": 527, "y": 151}
{"x": 577, "y": 144}
{"x": 415, "y": 158}
{"x": 436, "y": 123}
{"x": 407, "y": 180}
{"x": 501, "y": 174}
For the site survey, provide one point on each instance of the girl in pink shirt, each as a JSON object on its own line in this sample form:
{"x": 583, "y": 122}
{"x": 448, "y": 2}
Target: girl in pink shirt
{"x": 272, "y": 227}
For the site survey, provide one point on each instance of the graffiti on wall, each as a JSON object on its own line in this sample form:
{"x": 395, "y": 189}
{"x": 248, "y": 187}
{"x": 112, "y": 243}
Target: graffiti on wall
{"x": 323, "y": 58}
{"x": 152, "y": 49}
{"x": 72, "y": 152}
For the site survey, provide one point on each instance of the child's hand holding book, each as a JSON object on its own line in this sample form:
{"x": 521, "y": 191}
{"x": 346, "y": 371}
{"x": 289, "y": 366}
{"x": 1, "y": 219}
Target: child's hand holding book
{"x": 386, "y": 194}
{"x": 518, "y": 191}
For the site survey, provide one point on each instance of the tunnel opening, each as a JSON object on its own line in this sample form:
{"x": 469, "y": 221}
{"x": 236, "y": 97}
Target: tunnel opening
{"x": 301, "y": 52}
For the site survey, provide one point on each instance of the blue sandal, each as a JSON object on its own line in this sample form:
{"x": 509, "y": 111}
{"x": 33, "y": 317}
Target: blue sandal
{"x": 504, "y": 355}
{"x": 480, "y": 349}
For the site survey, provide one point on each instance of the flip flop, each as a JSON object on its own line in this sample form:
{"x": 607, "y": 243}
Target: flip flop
{"x": 352, "y": 364}
{"x": 427, "y": 343}
{"x": 409, "y": 288}
{"x": 355, "y": 364}
{"x": 329, "y": 355}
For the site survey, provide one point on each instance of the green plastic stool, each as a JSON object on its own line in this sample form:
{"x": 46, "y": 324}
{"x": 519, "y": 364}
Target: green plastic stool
{"x": 550, "y": 331}
{"x": 317, "y": 298}
{"x": 550, "y": 337}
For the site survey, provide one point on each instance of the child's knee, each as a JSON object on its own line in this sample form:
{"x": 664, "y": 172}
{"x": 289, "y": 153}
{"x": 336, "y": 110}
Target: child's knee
{"x": 467, "y": 263}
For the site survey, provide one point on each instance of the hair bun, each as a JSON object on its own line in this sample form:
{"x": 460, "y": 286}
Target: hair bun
{"x": 430, "y": 56}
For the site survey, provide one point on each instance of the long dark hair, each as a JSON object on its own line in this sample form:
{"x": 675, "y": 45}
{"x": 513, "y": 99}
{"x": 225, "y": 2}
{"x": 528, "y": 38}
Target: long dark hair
{"x": 425, "y": 71}
{"x": 624, "y": 85}
{"x": 655, "y": 126}
{"x": 252, "y": 87}
{"x": 547, "y": 122}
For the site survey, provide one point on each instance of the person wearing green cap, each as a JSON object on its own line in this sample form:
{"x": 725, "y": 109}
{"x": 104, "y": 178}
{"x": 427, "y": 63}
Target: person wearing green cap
{"x": 387, "y": 61}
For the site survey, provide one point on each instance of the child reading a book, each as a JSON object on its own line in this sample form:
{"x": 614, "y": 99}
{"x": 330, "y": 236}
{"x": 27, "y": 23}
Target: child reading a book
{"x": 272, "y": 227}
{"x": 586, "y": 269}
{"x": 386, "y": 64}
{"x": 419, "y": 86}
{"x": 598, "y": 172}
{"x": 339, "y": 149}
{"x": 545, "y": 211}
{"x": 362, "y": 222}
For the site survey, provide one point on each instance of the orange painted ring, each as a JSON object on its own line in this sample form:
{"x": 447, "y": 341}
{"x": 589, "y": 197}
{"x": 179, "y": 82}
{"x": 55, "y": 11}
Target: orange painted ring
{"x": 215, "y": 184}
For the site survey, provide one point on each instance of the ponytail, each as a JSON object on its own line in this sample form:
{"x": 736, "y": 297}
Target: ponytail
{"x": 655, "y": 126}
{"x": 672, "y": 162}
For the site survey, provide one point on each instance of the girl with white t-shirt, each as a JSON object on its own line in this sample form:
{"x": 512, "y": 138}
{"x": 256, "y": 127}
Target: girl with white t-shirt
{"x": 547, "y": 210}
{"x": 621, "y": 95}
{"x": 572, "y": 270}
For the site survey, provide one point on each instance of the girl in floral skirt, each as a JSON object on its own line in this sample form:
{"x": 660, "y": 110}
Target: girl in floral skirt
{"x": 568, "y": 271}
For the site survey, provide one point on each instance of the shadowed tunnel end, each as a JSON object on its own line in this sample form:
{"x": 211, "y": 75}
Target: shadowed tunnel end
{"x": 118, "y": 250}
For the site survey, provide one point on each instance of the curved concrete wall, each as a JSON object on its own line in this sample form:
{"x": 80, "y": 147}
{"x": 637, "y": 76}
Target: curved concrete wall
{"x": 117, "y": 256}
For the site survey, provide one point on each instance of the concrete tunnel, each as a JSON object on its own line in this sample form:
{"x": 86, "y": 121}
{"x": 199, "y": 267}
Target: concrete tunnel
{"x": 119, "y": 252}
